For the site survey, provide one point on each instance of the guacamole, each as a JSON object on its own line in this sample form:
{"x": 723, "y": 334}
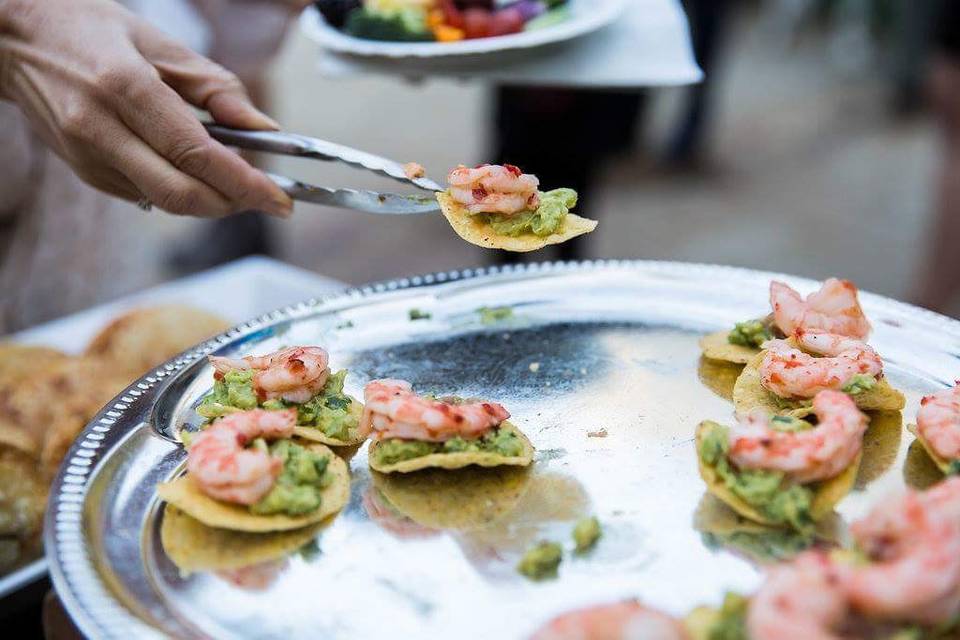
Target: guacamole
{"x": 504, "y": 442}
{"x": 493, "y": 315}
{"x": 231, "y": 392}
{"x": 298, "y": 487}
{"x": 752, "y": 333}
{"x": 859, "y": 383}
{"x": 766, "y": 491}
{"x": 731, "y": 622}
{"x": 586, "y": 533}
{"x": 546, "y": 220}
{"x": 541, "y": 561}
{"x": 328, "y": 411}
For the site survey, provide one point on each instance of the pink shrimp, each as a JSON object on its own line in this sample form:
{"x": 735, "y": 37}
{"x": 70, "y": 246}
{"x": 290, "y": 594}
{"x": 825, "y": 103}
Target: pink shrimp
{"x": 491, "y": 188}
{"x": 393, "y": 410}
{"x": 835, "y": 308}
{"x": 938, "y": 422}
{"x": 224, "y": 470}
{"x": 628, "y": 620}
{"x": 806, "y": 456}
{"x": 914, "y": 547}
{"x": 800, "y": 600}
{"x": 295, "y": 374}
{"x": 791, "y": 373}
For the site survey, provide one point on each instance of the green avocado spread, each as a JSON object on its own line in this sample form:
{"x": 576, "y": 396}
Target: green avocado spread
{"x": 731, "y": 622}
{"x": 766, "y": 491}
{"x": 586, "y": 533}
{"x": 328, "y": 411}
{"x": 504, "y": 442}
{"x": 541, "y": 561}
{"x": 774, "y": 544}
{"x": 232, "y": 392}
{"x": 545, "y": 220}
{"x": 299, "y": 486}
{"x": 751, "y": 333}
{"x": 859, "y": 383}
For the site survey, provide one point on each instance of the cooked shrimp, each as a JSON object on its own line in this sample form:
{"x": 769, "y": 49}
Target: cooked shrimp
{"x": 414, "y": 170}
{"x": 628, "y": 620}
{"x": 295, "y": 374}
{"x": 800, "y": 600}
{"x": 393, "y": 410}
{"x": 835, "y": 308}
{"x": 224, "y": 470}
{"x": 914, "y": 547}
{"x": 492, "y": 188}
{"x": 791, "y": 373}
{"x": 805, "y": 456}
{"x": 938, "y": 422}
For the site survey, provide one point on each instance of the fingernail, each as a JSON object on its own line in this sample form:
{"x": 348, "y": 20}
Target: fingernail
{"x": 268, "y": 122}
{"x": 280, "y": 205}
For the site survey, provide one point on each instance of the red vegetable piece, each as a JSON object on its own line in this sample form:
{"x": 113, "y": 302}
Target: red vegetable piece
{"x": 514, "y": 169}
{"x": 451, "y": 14}
{"x": 476, "y": 23}
{"x": 506, "y": 21}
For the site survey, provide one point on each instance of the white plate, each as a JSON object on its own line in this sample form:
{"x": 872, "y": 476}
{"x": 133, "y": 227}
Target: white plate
{"x": 586, "y": 16}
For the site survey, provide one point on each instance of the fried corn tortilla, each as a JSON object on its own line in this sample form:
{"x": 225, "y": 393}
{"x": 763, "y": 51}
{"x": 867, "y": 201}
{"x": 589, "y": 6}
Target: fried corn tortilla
{"x": 456, "y": 460}
{"x": 184, "y": 495}
{"x": 23, "y": 498}
{"x": 749, "y": 393}
{"x": 919, "y": 469}
{"x": 715, "y": 346}
{"x": 141, "y": 339}
{"x": 472, "y": 229}
{"x": 193, "y": 546}
{"x": 881, "y": 443}
{"x": 314, "y": 434}
{"x": 472, "y": 498}
{"x": 719, "y": 376}
{"x": 826, "y": 495}
{"x": 942, "y": 463}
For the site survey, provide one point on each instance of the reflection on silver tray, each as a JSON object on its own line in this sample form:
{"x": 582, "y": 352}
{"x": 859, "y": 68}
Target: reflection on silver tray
{"x": 595, "y": 347}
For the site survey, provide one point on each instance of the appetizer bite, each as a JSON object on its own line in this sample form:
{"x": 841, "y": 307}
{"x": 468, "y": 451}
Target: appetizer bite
{"x": 412, "y": 432}
{"x": 835, "y": 308}
{"x": 195, "y": 547}
{"x": 500, "y": 207}
{"x": 245, "y": 473}
{"x": 901, "y": 580}
{"x": 781, "y": 470}
{"x": 440, "y": 20}
{"x": 788, "y": 373}
{"x": 297, "y": 377}
{"x": 620, "y": 621}
{"x": 938, "y": 428}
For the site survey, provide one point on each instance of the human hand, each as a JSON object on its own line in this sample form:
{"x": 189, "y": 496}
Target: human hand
{"x": 111, "y": 95}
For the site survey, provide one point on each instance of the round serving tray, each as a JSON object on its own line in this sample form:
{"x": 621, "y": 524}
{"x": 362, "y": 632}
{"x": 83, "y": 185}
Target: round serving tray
{"x": 586, "y": 16}
{"x": 592, "y": 348}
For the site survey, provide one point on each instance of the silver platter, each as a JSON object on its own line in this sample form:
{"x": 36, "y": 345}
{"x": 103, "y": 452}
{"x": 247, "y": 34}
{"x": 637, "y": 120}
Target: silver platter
{"x": 592, "y": 347}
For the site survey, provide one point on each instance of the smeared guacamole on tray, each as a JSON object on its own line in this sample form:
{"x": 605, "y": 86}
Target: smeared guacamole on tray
{"x": 541, "y": 561}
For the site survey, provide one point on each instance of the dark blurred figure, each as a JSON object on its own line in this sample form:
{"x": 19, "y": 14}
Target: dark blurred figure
{"x": 941, "y": 278}
{"x": 563, "y": 137}
{"x": 709, "y": 22}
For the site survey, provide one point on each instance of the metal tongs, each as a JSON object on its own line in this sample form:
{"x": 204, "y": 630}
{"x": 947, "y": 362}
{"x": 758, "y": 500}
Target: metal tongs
{"x": 291, "y": 144}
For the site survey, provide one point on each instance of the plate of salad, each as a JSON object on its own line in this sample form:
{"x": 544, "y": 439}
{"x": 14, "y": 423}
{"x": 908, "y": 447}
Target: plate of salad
{"x": 428, "y": 28}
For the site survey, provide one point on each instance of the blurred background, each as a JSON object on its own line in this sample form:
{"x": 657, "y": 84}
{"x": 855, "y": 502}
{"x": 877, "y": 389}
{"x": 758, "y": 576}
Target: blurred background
{"x": 814, "y": 149}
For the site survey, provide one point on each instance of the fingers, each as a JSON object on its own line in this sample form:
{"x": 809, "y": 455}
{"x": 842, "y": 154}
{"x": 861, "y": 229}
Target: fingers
{"x": 203, "y": 83}
{"x": 163, "y": 120}
{"x": 153, "y": 176}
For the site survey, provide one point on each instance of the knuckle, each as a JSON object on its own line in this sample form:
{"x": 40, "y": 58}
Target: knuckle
{"x": 77, "y": 120}
{"x": 179, "y": 199}
{"x": 124, "y": 80}
{"x": 192, "y": 158}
